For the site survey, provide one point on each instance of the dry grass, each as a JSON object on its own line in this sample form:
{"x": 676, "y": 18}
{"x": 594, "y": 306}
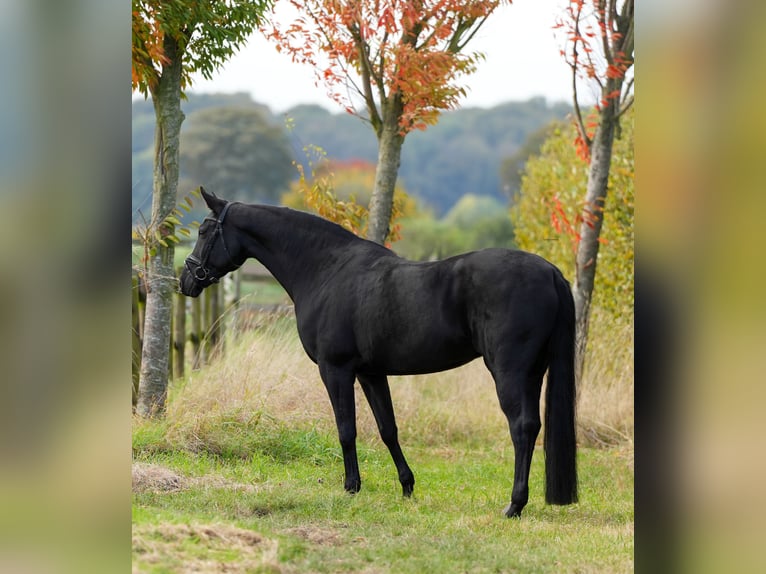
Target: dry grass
{"x": 265, "y": 378}
{"x": 605, "y": 402}
{"x": 203, "y": 548}
{"x": 264, "y": 372}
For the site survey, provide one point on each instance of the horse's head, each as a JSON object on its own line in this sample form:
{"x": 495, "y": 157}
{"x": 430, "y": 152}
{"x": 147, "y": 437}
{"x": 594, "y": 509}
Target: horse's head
{"x": 216, "y": 253}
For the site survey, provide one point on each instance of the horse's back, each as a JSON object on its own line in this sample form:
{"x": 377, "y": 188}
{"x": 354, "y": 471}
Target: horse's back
{"x": 392, "y": 316}
{"x": 411, "y": 318}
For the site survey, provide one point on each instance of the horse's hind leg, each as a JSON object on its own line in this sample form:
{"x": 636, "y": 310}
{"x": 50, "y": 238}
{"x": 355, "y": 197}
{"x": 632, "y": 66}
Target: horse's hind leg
{"x": 378, "y": 394}
{"x": 339, "y": 382}
{"x": 519, "y": 395}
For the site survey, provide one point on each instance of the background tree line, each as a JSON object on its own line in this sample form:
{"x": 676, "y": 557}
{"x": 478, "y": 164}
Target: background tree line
{"x": 474, "y": 165}
{"x": 242, "y": 150}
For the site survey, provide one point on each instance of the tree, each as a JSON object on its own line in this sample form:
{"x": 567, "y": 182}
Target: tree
{"x": 334, "y": 188}
{"x": 553, "y": 185}
{"x": 471, "y": 209}
{"x": 171, "y": 40}
{"x": 238, "y": 152}
{"x": 599, "y": 48}
{"x": 512, "y": 167}
{"x": 401, "y": 58}
{"x": 460, "y": 154}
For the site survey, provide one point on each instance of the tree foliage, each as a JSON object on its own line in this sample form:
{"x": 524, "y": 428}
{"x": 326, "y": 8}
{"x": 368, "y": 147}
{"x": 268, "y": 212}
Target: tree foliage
{"x": 383, "y": 49}
{"x": 339, "y": 190}
{"x": 402, "y": 59}
{"x": 475, "y": 222}
{"x": 547, "y": 211}
{"x": 208, "y": 32}
{"x": 599, "y": 48}
{"x": 512, "y": 167}
{"x": 461, "y": 154}
{"x": 171, "y": 40}
{"x": 238, "y": 152}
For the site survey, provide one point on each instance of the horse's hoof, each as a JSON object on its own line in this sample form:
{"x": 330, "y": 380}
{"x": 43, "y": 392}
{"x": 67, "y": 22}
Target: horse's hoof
{"x": 512, "y": 511}
{"x": 407, "y": 490}
{"x": 353, "y": 487}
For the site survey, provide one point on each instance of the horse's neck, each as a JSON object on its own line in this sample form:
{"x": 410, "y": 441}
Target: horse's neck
{"x": 297, "y": 255}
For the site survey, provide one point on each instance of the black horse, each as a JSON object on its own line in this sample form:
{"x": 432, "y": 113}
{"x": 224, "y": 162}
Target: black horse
{"x": 364, "y": 313}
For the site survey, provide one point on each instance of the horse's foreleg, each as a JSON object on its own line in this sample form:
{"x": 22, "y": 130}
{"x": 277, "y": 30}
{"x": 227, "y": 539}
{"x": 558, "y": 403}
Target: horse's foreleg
{"x": 378, "y": 394}
{"x": 339, "y": 382}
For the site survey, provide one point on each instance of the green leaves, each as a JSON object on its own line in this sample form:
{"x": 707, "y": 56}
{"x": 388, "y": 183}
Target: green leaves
{"x": 165, "y": 233}
{"x": 208, "y": 32}
{"x": 552, "y": 191}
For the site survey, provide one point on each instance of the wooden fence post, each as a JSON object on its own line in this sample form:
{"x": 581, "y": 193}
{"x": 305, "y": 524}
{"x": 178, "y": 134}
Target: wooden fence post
{"x": 237, "y": 286}
{"x": 206, "y": 311}
{"x": 220, "y": 322}
{"x": 211, "y": 321}
{"x": 179, "y": 333}
{"x": 196, "y": 332}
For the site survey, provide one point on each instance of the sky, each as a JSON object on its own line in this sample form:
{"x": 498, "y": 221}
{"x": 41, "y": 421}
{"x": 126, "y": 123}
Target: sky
{"x": 522, "y": 61}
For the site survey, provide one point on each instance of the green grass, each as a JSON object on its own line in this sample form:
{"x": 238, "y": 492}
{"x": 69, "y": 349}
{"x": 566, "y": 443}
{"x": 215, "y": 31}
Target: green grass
{"x": 286, "y": 490}
{"x": 244, "y": 474}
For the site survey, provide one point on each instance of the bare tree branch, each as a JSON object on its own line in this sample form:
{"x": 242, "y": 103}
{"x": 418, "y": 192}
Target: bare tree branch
{"x": 574, "y": 65}
{"x": 455, "y": 45}
{"x": 365, "y": 67}
{"x": 604, "y": 17}
{"x": 626, "y": 105}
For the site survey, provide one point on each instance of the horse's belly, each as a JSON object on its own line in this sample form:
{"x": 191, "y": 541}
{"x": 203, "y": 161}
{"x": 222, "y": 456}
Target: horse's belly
{"x": 417, "y": 359}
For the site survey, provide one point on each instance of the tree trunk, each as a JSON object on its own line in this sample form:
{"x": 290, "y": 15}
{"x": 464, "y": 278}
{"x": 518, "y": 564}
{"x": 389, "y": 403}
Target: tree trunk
{"x": 390, "y": 143}
{"x": 160, "y": 280}
{"x": 136, "y": 340}
{"x": 590, "y": 230}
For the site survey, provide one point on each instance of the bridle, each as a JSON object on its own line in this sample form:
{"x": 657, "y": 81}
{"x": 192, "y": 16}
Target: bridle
{"x": 198, "y": 267}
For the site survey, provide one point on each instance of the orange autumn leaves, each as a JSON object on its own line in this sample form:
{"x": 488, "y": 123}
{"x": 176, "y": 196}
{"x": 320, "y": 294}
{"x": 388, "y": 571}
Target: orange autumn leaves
{"x": 387, "y": 49}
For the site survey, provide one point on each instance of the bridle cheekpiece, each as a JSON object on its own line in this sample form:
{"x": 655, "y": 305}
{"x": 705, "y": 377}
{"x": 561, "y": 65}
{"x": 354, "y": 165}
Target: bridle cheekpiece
{"x": 198, "y": 267}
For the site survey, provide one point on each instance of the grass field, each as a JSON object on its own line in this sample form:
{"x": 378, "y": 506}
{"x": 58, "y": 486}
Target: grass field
{"x": 244, "y": 474}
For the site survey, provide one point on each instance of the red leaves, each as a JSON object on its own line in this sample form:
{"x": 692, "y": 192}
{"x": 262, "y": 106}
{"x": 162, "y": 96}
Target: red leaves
{"x": 587, "y": 30}
{"x": 582, "y": 147}
{"x": 585, "y": 132}
{"x": 589, "y": 216}
{"x": 559, "y": 219}
{"x": 595, "y": 42}
{"x": 387, "y": 20}
{"x": 613, "y": 71}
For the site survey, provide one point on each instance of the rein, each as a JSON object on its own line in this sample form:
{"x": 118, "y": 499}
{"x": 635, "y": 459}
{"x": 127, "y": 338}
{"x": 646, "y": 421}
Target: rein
{"x": 198, "y": 267}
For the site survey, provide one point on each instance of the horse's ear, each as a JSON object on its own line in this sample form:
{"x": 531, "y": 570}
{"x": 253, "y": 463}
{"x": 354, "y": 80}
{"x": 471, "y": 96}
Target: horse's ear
{"x": 214, "y": 203}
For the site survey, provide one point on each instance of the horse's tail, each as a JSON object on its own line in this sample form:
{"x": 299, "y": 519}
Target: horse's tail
{"x": 560, "y": 398}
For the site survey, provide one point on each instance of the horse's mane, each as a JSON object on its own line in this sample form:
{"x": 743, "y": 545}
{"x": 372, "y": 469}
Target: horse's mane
{"x": 322, "y": 227}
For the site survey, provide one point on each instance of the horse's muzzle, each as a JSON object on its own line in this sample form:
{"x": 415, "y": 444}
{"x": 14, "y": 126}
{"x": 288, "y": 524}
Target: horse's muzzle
{"x": 188, "y": 285}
